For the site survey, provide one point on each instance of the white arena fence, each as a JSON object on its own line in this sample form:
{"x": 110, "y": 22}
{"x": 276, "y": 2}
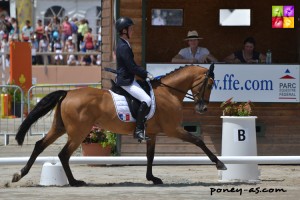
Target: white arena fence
{"x": 158, "y": 160}
{"x": 9, "y": 124}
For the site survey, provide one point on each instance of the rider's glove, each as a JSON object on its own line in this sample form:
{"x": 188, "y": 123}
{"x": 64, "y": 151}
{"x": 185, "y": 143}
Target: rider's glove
{"x": 150, "y": 76}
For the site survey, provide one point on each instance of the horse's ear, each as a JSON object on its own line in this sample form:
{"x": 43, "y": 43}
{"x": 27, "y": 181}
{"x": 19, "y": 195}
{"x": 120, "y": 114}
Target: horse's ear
{"x": 211, "y": 71}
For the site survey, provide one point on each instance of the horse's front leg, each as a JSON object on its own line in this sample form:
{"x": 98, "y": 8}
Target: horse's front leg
{"x": 188, "y": 137}
{"x": 150, "y": 157}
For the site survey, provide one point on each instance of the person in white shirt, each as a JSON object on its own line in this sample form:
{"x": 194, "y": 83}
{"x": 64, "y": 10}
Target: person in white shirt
{"x": 27, "y": 31}
{"x": 58, "y": 49}
{"x": 193, "y": 53}
{"x": 70, "y": 47}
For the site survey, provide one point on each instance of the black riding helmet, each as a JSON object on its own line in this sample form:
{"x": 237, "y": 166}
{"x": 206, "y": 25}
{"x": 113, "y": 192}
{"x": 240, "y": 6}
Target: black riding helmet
{"x": 122, "y": 23}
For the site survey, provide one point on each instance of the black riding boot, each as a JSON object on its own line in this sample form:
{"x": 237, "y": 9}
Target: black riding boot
{"x": 140, "y": 123}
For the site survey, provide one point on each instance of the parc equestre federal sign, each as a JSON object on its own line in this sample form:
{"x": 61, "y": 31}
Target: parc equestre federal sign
{"x": 256, "y": 82}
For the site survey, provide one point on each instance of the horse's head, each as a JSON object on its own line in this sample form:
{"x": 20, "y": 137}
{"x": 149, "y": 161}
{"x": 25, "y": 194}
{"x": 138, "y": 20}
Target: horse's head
{"x": 201, "y": 91}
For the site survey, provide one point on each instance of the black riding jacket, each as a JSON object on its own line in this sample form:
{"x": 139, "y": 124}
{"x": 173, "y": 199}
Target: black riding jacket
{"x": 126, "y": 66}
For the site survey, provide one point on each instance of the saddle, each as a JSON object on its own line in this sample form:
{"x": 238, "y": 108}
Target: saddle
{"x": 133, "y": 103}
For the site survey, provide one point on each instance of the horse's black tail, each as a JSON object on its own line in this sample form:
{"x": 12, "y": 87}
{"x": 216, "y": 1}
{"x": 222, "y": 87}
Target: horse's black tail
{"x": 42, "y": 108}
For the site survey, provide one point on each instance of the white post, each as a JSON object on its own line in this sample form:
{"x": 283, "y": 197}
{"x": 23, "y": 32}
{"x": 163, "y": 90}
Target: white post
{"x": 53, "y": 174}
{"x": 239, "y": 139}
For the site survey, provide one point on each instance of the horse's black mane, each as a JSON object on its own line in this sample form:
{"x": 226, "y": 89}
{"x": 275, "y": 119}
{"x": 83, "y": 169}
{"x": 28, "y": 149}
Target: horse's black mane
{"x": 175, "y": 70}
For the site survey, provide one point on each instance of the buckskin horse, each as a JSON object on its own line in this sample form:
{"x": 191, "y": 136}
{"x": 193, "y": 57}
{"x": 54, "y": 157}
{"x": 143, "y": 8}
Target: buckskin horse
{"x": 78, "y": 110}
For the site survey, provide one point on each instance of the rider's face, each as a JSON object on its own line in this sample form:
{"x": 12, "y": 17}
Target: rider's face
{"x": 130, "y": 31}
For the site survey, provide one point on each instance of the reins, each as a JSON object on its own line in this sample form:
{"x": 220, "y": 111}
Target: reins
{"x": 187, "y": 95}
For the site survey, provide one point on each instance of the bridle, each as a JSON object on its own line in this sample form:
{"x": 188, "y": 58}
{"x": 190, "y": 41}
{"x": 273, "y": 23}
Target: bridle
{"x": 193, "y": 96}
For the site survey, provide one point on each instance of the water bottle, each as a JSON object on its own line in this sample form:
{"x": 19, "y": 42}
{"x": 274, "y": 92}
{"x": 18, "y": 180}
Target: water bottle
{"x": 269, "y": 57}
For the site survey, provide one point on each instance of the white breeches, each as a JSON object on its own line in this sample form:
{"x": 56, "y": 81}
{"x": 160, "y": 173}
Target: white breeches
{"x": 137, "y": 92}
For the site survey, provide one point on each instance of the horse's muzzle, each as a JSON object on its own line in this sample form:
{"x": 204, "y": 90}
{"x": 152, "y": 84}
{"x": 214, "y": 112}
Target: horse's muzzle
{"x": 201, "y": 107}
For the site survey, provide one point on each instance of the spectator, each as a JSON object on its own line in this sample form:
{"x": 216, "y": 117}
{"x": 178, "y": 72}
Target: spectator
{"x": 54, "y": 29}
{"x": 5, "y": 48}
{"x": 99, "y": 40}
{"x": 27, "y": 32}
{"x": 98, "y": 59}
{"x": 193, "y": 53}
{"x": 43, "y": 47}
{"x": 89, "y": 42}
{"x": 70, "y": 47}
{"x": 48, "y": 31}
{"x": 74, "y": 23}
{"x": 5, "y": 25}
{"x": 82, "y": 30}
{"x": 34, "y": 49}
{"x": 58, "y": 50}
{"x": 66, "y": 29}
{"x": 14, "y": 32}
{"x": 86, "y": 60}
{"x": 39, "y": 30}
{"x": 247, "y": 54}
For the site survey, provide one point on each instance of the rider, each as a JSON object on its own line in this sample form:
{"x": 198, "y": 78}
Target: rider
{"x": 126, "y": 71}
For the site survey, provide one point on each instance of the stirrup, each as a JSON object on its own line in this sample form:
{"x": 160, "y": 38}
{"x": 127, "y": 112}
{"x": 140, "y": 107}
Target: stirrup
{"x": 141, "y": 137}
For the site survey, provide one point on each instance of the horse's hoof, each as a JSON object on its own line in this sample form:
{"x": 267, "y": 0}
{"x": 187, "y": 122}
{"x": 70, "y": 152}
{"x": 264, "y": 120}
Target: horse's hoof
{"x": 16, "y": 177}
{"x": 155, "y": 180}
{"x": 221, "y": 166}
{"x": 78, "y": 183}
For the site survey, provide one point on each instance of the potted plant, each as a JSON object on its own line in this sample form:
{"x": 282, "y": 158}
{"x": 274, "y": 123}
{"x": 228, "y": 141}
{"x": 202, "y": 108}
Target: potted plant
{"x": 16, "y": 100}
{"x": 232, "y": 108}
{"x": 99, "y": 142}
{"x": 239, "y": 139}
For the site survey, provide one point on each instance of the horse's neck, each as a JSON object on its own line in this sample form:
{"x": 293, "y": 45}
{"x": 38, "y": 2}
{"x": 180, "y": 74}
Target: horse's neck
{"x": 180, "y": 82}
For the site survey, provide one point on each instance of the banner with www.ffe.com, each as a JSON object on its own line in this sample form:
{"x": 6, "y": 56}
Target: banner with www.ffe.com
{"x": 243, "y": 82}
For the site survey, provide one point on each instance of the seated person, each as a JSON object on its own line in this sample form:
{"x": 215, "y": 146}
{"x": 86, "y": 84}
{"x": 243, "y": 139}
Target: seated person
{"x": 247, "y": 54}
{"x": 58, "y": 50}
{"x": 86, "y": 60}
{"x": 193, "y": 53}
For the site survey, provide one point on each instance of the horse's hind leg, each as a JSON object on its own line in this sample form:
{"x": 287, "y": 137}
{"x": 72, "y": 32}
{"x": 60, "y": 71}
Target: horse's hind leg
{"x": 64, "y": 157}
{"x": 188, "y": 137}
{"x": 39, "y": 147}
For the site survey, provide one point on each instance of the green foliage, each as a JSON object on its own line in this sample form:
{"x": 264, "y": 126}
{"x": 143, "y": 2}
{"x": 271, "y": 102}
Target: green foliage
{"x": 14, "y": 93}
{"x": 232, "y": 108}
{"x": 101, "y": 136}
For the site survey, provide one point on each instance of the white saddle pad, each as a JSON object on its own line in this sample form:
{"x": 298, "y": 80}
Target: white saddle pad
{"x": 122, "y": 108}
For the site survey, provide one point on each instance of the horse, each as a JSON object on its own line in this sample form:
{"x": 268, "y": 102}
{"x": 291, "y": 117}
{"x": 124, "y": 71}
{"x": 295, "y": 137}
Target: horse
{"x": 77, "y": 111}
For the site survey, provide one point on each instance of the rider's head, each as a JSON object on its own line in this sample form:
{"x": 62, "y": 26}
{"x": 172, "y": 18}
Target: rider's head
{"x": 122, "y": 26}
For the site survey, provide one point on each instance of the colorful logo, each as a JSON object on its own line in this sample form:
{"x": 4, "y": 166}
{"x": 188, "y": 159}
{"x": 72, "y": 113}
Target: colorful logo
{"x": 288, "y": 86}
{"x": 287, "y": 76}
{"x": 283, "y": 16}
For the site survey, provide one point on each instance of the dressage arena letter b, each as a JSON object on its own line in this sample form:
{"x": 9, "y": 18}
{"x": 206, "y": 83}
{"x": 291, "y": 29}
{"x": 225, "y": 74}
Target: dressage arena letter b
{"x": 241, "y": 135}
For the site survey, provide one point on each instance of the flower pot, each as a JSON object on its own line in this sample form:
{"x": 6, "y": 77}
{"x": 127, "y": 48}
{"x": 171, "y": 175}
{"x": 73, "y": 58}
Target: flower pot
{"x": 239, "y": 139}
{"x": 95, "y": 149}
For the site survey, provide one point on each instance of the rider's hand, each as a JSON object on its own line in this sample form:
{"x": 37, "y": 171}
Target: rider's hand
{"x": 150, "y": 76}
